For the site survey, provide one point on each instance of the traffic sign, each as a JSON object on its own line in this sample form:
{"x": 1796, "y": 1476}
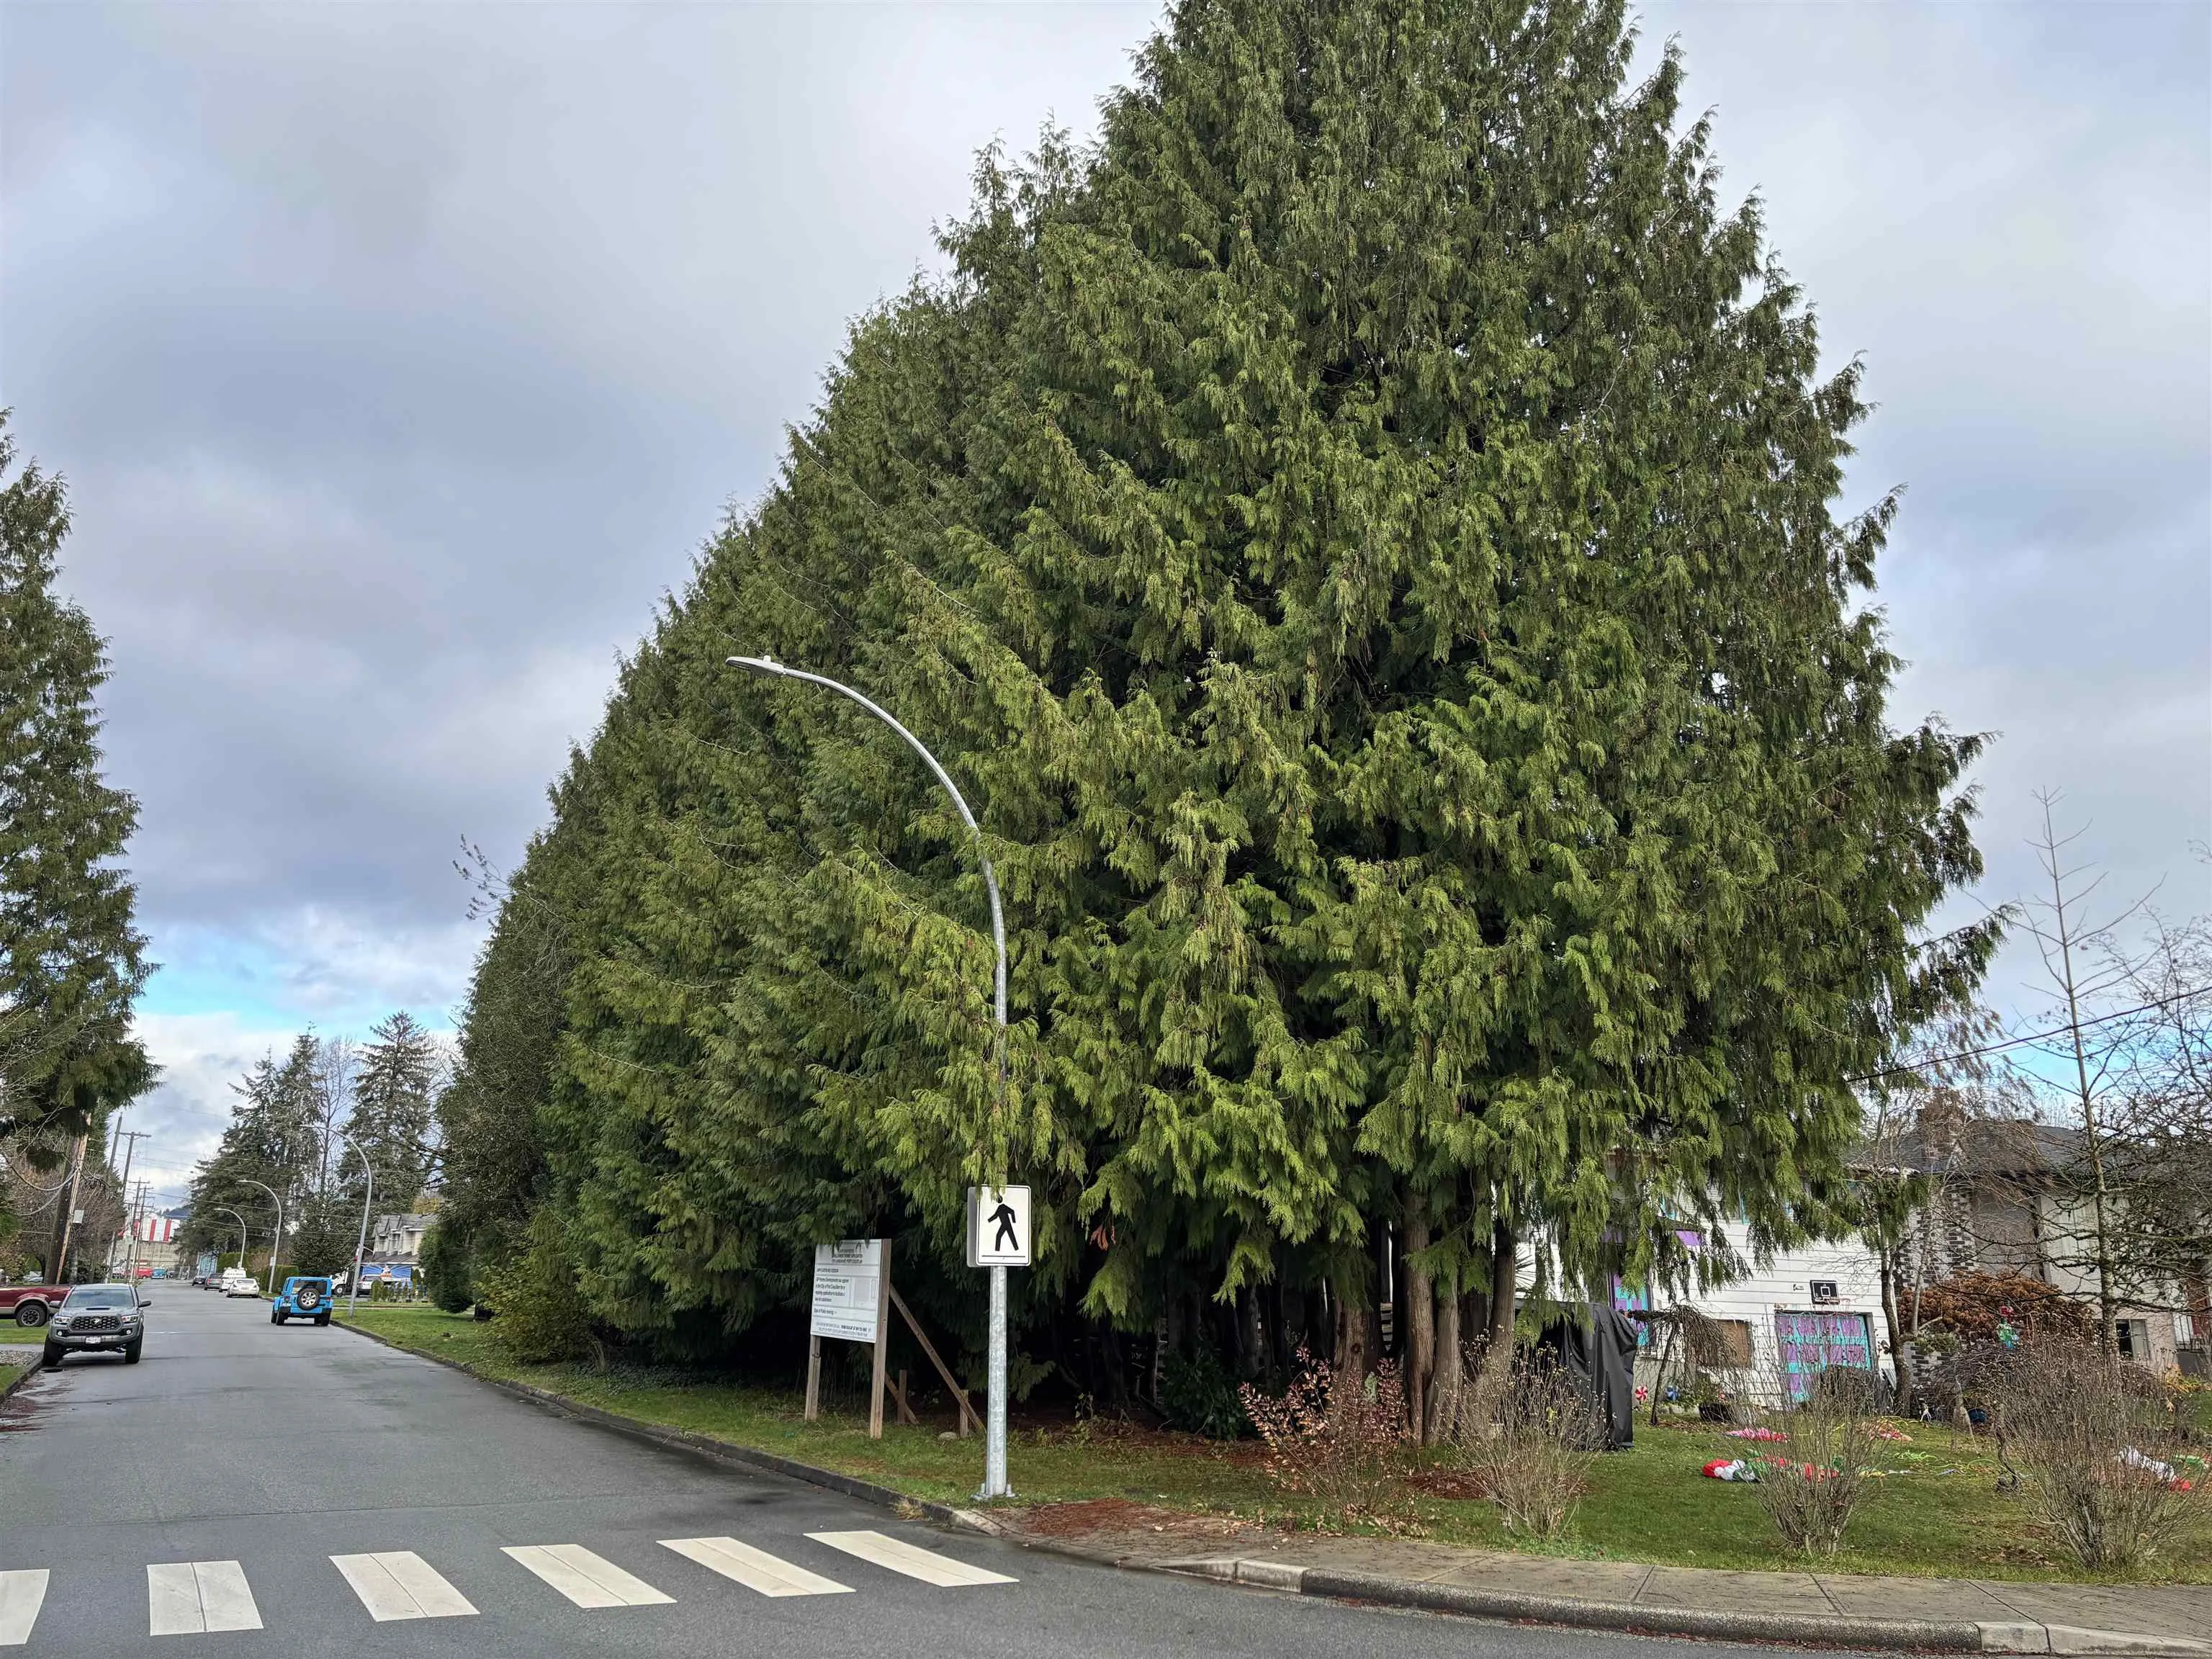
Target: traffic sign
{"x": 998, "y": 1227}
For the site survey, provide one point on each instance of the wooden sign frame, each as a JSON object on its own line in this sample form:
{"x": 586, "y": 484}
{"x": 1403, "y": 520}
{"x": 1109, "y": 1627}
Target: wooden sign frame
{"x": 886, "y": 1299}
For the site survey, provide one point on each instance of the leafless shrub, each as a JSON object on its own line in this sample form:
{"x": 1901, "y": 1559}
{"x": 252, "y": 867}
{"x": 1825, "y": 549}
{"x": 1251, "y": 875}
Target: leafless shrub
{"x": 2092, "y": 1436}
{"x": 1813, "y": 1479}
{"x": 1531, "y": 1461}
{"x": 1340, "y": 1440}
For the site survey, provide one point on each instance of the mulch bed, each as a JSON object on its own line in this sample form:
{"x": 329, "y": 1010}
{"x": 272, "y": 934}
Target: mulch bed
{"x": 1098, "y": 1515}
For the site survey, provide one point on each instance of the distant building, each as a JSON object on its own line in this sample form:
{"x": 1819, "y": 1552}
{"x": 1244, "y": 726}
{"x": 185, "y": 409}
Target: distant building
{"x": 399, "y": 1237}
{"x": 2004, "y": 1205}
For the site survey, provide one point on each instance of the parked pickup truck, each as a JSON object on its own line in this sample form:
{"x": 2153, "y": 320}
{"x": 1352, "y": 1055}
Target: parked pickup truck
{"x": 30, "y": 1304}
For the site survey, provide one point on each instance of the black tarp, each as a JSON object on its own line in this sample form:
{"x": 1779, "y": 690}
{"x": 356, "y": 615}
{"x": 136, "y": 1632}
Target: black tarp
{"x": 1599, "y": 1350}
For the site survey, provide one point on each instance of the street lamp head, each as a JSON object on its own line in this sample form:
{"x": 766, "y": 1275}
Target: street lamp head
{"x": 758, "y": 664}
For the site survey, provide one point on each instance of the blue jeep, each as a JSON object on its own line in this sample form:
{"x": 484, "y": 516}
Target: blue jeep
{"x": 302, "y": 1298}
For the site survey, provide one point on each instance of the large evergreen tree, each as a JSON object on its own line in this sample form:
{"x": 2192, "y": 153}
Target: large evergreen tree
{"x": 1366, "y": 540}
{"x": 394, "y": 1096}
{"x": 72, "y": 958}
{"x": 275, "y": 1141}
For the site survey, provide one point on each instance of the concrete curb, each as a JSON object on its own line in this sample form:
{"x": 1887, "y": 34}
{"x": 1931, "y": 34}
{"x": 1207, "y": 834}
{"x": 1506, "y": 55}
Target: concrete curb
{"x": 1835, "y": 1630}
{"x": 37, "y": 1364}
{"x": 701, "y": 1445}
{"x": 1832, "y": 1630}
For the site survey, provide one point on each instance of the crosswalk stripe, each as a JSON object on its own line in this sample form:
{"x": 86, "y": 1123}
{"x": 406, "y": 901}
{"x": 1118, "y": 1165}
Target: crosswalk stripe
{"x": 588, "y": 1580}
{"x": 22, "y": 1592}
{"x": 757, "y": 1569}
{"x": 400, "y": 1584}
{"x": 437, "y": 1598}
{"x": 183, "y": 1598}
{"x": 902, "y": 1556}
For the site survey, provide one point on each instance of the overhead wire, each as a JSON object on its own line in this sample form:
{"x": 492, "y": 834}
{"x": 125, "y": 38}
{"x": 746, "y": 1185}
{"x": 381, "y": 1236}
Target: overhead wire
{"x": 2032, "y": 1036}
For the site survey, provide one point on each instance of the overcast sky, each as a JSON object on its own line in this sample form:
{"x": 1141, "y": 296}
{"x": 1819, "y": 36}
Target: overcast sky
{"x": 399, "y": 359}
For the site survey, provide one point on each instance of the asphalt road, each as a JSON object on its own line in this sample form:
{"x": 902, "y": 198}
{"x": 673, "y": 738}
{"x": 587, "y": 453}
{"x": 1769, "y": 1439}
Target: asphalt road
{"x": 278, "y": 1450}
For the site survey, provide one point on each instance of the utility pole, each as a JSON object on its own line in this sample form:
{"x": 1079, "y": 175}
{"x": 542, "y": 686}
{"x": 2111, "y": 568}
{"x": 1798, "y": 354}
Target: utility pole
{"x": 134, "y": 1136}
{"x": 66, "y": 1221}
{"x": 138, "y": 1226}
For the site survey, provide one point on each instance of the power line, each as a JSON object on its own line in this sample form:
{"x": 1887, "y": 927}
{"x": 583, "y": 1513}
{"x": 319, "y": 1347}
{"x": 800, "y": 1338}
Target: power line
{"x": 2033, "y": 1036}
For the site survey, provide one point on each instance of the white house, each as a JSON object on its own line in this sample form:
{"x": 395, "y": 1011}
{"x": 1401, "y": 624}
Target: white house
{"x": 399, "y": 1237}
{"x": 1807, "y": 1309}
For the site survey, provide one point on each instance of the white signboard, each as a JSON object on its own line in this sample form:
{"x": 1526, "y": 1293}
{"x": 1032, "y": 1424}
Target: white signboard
{"x": 847, "y": 1290}
{"x": 998, "y": 1227}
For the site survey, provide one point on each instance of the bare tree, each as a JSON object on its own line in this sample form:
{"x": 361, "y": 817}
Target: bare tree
{"x": 1928, "y": 1126}
{"x": 2124, "y": 1051}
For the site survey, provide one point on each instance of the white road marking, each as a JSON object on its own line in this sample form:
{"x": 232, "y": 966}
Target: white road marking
{"x": 401, "y": 1584}
{"x": 757, "y": 1569}
{"x": 183, "y": 1598}
{"x": 588, "y": 1580}
{"x": 902, "y": 1556}
{"x": 21, "y": 1593}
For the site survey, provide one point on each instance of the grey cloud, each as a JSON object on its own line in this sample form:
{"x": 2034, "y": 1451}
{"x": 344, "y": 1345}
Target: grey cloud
{"x": 401, "y": 356}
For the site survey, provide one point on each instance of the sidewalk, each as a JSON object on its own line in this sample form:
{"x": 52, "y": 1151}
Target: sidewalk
{"x": 1843, "y": 1609}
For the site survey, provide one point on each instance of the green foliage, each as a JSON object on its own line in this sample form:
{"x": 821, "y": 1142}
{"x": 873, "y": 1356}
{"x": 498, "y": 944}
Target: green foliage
{"x": 542, "y": 1318}
{"x": 494, "y": 1159}
{"x": 1197, "y": 1395}
{"x": 393, "y": 1112}
{"x": 274, "y": 1141}
{"x": 1365, "y": 541}
{"x": 447, "y": 1268}
{"x": 322, "y": 1235}
{"x": 72, "y": 957}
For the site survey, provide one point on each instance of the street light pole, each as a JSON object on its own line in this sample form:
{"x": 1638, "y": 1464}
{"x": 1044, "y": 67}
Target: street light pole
{"x": 225, "y": 1210}
{"x": 275, "y": 1244}
{"x": 360, "y": 1245}
{"x": 994, "y": 1429}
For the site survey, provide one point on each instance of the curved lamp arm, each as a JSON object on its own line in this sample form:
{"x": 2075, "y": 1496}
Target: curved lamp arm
{"x": 769, "y": 665}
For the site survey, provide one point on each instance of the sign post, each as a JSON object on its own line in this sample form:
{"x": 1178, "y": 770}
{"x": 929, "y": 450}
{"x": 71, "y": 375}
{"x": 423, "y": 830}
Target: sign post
{"x": 998, "y": 1238}
{"x": 852, "y": 1303}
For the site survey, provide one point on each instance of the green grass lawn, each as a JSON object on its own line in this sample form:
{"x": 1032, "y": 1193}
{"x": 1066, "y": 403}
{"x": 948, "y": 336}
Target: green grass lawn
{"x": 11, "y": 1332}
{"x": 1939, "y": 1513}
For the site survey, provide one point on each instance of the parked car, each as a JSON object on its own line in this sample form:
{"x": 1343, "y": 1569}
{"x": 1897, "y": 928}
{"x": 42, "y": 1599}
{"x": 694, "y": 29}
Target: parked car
{"x": 302, "y": 1298}
{"x": 30, "y": 1304}
{"x": 236, "y": 1282}
{"x": 97, "y": 1319}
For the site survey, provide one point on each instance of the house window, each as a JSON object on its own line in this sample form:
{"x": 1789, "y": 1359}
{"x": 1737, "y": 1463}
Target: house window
{"x": 2185, "y": 1330}
{"x": 2133, "y": 1338}
{"x": 1826, "y": 1293}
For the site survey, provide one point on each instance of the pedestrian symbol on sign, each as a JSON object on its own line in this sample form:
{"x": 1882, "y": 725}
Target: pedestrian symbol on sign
{"x": 998, "y": 1227}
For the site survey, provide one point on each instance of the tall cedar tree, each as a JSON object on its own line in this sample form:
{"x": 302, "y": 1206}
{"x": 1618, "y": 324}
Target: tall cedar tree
{"x": 394, "y": 1103}
{"x": 72, "y": 957}
{"x": 273, "y": 1139}
{"x": 1364, "y": 539}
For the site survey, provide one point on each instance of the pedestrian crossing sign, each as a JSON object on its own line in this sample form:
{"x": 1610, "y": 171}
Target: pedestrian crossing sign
{"x": 998, "y": 1227}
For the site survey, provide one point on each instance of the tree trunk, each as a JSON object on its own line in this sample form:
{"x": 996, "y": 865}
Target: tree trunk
{"x": 1445, "y": 1378}
{"x": 1659, "y": 1376}
{"x": 1420, "y": 1348}
{"x": 1900, "y": 1345}
{"x": 1353, "y": 1351}
{"x": 1497, "y": 1366}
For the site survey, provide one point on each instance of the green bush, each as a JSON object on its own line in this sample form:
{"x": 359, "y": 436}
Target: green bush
{"x": 1197, "y": 1395}
{"x": 542, "y": 1316}
{"x": 448, "y": 1270}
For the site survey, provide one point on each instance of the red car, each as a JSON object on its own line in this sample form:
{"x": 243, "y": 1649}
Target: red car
{"x": 30, "y": 1304}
